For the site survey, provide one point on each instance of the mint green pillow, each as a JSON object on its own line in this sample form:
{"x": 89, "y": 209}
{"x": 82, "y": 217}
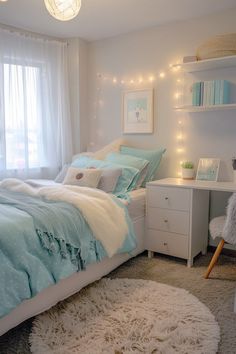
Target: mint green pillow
{"x": 131, "y": 161}
{"x": 125, "y": 181}
{"x": 153, "y": 156}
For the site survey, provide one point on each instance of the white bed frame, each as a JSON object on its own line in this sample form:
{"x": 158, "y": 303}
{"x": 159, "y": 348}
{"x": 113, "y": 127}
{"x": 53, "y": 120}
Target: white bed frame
{"x": 69, "y": 286}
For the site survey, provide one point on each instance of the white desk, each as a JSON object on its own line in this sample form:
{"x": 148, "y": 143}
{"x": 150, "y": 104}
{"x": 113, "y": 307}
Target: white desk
{"x": 205, "y": 185}
{"x": 177, "y": 216}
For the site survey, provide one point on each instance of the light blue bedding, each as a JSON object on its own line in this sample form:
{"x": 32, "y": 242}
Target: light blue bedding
{"x": 42, "y": 242}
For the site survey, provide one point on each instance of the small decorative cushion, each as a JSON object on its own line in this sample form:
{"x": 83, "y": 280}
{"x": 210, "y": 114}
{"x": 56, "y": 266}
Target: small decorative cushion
{"x": 218, "y": 46}
{"x": 62, "y": 174}
{"x": 83, "y": 177}
{"x": 153, "y": 156}
{"x": 128, "y": 160}
{"x": 109, "y": 179}
{"x": 125, "y": 181}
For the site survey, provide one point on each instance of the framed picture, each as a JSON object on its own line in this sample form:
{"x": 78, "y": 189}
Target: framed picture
{"x": 208, "y": 169}
{"x": 137, "y": 112}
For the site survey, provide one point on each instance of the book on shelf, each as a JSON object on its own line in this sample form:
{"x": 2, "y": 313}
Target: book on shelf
{"x": 196, "y": 94}
{"x": 209, "y": 93}
{"x": 201, "y": 92}
{"x": 205, "y": 93}
{"x": 221, "y": 92}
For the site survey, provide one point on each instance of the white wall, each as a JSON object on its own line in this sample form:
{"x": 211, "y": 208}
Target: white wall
{"x": 148, "y": 52}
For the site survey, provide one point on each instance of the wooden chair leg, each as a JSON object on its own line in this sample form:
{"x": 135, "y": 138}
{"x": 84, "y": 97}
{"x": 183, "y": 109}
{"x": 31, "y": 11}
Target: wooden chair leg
{"x": 214, "y": 258}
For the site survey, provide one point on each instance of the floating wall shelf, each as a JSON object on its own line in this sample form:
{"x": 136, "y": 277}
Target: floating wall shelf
{"x": 208, "y": 64}
{"x": 193, "y": 109}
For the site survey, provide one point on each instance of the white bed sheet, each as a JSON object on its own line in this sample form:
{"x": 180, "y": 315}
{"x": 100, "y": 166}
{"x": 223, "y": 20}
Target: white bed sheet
{"x": 137, "y": 205}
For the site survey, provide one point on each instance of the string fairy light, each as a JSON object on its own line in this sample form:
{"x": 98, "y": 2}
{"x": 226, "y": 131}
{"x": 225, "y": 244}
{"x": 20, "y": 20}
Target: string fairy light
{"x": 180, "y": 149}
{"x": 151, "y": 78}
{"x": 141, "y": 78}
{"x": 162, "y": 75}
{"x": 177, "y": 95}
{"x": 140, "y": 81}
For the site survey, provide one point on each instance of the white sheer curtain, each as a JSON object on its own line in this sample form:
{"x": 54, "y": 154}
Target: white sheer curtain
{"x": 35, "y": 127}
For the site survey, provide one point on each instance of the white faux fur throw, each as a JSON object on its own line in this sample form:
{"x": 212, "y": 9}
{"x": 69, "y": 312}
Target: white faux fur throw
{"x": 229, "y": 230}
{"x": 106, "y": 219}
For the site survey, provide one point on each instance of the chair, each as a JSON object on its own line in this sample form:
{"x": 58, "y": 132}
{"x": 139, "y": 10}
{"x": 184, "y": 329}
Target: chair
{"x": 216, "y": 228}
{"x": 224, "y": 227}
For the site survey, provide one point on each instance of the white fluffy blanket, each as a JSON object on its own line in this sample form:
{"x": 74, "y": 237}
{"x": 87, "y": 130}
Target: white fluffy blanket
{"x": 105, "y": 218}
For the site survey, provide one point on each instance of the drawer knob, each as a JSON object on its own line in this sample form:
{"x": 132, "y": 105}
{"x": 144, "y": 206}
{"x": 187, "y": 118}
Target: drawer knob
{"x": 165, "y": 220}
{"x": 165, "y": 244}
{"x": 166, "y": 198}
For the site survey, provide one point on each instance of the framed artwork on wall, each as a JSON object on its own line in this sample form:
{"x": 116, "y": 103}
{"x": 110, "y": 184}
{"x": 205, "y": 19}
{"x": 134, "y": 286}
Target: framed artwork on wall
{"x": 208, "y": 169}
{"x": 137, "y": 112}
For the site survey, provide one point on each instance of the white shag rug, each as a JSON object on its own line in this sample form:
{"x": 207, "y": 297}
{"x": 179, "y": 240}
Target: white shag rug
{"x": 127, "y": 316}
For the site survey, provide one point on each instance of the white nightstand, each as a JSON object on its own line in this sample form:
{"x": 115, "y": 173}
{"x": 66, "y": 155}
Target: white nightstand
{"x": 177, "y": 219}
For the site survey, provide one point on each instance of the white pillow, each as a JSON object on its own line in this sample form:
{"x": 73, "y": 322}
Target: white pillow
{"x": 107, "y": 149}
{"x": 102, "y": 153}
{"x": 83, "y": 177}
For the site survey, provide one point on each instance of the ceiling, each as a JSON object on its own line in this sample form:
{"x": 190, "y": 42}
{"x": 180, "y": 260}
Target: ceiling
{"x": 105, "y": 18}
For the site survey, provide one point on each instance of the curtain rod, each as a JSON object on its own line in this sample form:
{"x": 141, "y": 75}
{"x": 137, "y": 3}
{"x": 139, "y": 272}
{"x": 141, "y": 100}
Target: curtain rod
{"x": 30, "y": 34}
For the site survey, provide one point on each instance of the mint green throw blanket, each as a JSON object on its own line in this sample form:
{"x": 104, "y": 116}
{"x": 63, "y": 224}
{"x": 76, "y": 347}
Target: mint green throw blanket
{"x": 42, "y": 242}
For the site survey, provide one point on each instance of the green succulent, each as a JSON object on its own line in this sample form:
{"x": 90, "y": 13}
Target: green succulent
{"x": 188, "y": 164}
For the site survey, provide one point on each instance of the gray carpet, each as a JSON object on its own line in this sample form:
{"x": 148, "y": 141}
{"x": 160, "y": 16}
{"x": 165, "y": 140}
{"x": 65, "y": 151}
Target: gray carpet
{"x": 217, "y": 293}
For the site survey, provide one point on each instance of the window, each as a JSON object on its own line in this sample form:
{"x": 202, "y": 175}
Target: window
{"x": 35, "y": 124}
{"x": 21, "y": 144}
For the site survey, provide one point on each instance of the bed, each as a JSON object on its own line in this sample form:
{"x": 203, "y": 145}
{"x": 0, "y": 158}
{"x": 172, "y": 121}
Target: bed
{"x": 116, "y": 169}
{"x": 73, "y": 283}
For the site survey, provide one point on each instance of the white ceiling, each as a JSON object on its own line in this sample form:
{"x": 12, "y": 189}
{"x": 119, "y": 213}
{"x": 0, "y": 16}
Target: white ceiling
{"x": 105, "y": 18}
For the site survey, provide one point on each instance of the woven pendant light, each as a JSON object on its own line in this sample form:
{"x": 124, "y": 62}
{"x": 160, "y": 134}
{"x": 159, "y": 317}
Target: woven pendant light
{"x": 63, "y": 10}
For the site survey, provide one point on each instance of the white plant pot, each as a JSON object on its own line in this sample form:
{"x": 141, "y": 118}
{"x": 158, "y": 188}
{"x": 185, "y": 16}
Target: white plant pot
{"x": 187, "y": 173}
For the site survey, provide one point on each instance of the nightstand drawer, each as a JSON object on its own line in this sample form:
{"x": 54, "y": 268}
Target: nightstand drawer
{"x": 168, "y": 243}
{"x": 156, "y": 241}
{"x": 168, "y": 220}
{"x": 168, "y": 198}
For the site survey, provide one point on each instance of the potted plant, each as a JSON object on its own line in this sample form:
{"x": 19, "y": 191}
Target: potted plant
{"x": 187, "y": 170}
